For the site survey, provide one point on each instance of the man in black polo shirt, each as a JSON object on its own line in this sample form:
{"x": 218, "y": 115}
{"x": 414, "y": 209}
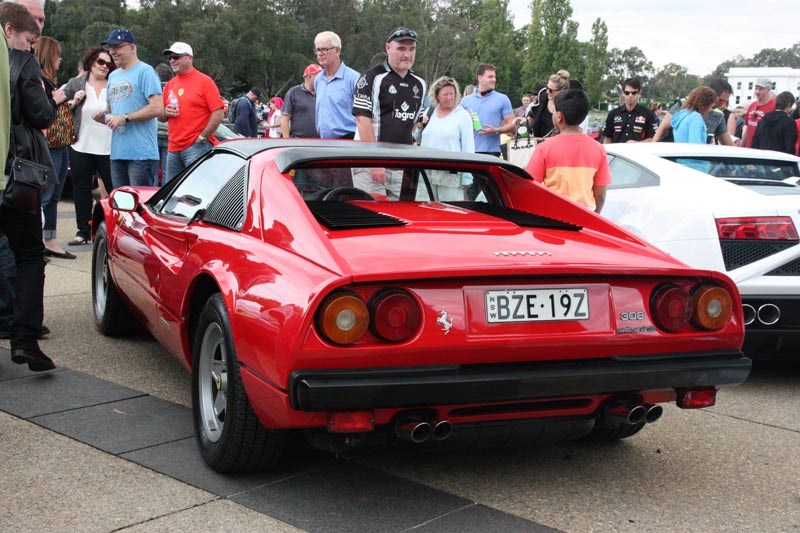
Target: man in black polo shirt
{"x": 387, "y": 102}
{"x": 298, "y": 118}
{"x": 630, "y": 122}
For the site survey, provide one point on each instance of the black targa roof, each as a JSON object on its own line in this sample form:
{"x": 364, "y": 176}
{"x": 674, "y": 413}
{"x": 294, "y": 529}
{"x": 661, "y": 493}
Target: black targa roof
{"x": 298, "y": 151}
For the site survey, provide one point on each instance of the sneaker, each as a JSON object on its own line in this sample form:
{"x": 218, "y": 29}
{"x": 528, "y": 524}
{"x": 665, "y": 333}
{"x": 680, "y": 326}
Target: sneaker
{"x": 36, "y": 359}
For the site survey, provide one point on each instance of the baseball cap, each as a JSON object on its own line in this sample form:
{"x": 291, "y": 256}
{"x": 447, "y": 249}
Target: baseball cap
{"x": 120, "y": 36}
{"x": 402, "y": 34}
{"x": 764, "y": 82}
{"x": 179, "y": 48}
{"x": 312, "y": 69}
{"x": 256, "y": 91}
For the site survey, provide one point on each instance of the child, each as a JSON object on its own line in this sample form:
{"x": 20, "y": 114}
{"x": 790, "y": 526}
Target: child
{"x": 572, "y": 163}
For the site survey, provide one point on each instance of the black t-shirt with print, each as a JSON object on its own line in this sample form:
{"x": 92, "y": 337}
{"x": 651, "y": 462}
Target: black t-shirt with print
{"x": 394, "y": 103}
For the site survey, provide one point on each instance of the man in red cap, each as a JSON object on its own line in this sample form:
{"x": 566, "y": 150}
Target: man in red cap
{"x": 299, "y": 117}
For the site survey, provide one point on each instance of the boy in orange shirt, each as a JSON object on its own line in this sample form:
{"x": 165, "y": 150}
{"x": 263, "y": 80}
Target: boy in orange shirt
{"x": 572, "y": 163}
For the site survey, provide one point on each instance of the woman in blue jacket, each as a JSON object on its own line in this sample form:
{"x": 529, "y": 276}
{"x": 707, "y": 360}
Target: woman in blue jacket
{"x": 688, "y": 125}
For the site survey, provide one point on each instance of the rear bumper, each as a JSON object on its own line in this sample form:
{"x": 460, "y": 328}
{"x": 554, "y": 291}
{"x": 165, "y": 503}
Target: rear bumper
{"x": 329, "y": 390}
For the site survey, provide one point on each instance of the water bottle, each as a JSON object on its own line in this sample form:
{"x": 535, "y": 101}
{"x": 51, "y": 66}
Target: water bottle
{"x": 173, "y": 101}
{"x": 522, "y": 132}
{"x": 476, "y": 121}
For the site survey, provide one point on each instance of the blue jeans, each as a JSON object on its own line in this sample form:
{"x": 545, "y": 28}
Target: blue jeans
{"x": 139, "y": 173}
{"x": 52, "y": 193}
{"x": 177, "y": 161}
{"x": 162, "y": 161}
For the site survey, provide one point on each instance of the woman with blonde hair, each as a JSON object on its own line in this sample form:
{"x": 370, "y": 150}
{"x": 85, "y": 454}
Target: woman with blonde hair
{"x": 688, "y": 125}
{"x": 449, "y": 128}
{"x": 48, "y": 51}
{"x": 540, "y": 119}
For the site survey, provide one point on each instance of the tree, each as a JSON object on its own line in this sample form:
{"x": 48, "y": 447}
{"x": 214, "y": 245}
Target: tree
{"x": 596, "y": 57}
{"x": 670, "y": 82}
{"x": 496, "y": 43}
{"x": 628, "y": 63}
{"x": 552, "y": 42}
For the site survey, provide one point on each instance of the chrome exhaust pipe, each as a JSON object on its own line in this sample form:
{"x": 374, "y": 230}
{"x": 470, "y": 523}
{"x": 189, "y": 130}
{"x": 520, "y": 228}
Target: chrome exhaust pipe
{"x": 442, "y": 430}
{"x": 416, "y": 431}
{"x": 628, "y": 413}
{"x": 769, "y": 314}
{"x": 654, "y": 412}
{"x": 749, "y": 314}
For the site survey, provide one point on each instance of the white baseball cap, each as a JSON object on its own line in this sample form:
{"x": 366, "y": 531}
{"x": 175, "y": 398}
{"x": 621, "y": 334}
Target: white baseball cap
{"x": 179, "y": 48}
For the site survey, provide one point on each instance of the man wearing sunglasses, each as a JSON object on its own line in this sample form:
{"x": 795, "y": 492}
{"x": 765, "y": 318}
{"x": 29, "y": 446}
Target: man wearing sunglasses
{"x": 192, "y": 110}
{"x": 716, "y": 123}
{"x": 630, "y": 122}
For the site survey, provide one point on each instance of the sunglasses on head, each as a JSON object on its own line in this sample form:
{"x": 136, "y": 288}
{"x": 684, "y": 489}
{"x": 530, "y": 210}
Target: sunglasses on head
{"x": 402, "y": 33}
{"x": 630, "y": 93}
{"x": 102, "y": 62}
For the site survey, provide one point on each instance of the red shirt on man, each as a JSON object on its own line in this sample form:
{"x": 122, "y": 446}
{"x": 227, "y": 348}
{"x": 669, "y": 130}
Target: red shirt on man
{"x": 198, "y": 97}
{"x": 754, "y": 114}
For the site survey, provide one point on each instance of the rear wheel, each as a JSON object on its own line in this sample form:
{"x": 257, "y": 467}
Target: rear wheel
{"x": 111, "y": 314}
{"x": 230, "y": 437}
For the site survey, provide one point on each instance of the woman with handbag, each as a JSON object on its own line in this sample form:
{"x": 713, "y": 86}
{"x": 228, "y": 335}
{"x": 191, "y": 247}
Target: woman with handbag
{"x": 90, "y": 153}
{"x": 28, "y": 170}
{"x": 59, "y": 136}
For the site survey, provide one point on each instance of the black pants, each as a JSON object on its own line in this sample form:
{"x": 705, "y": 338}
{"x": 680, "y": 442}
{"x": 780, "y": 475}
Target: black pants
{"x": 24, "y": 232}
{"x": 83, "y": 168}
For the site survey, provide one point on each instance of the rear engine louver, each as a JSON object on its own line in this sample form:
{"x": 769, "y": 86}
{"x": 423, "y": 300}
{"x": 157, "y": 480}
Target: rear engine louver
{"x": 227, "y": 209}
{"x": 737, "y": 254}
{"x": 520, "y": 218}
{"x": 343, "y": 215}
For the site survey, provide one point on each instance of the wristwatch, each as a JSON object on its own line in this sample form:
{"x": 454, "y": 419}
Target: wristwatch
{"x": 201, "y": 138}
{"x": 127, "y": 118}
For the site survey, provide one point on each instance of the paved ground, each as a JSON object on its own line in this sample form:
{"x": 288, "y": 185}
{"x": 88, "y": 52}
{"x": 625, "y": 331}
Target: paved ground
{"x": 105, "y": 443}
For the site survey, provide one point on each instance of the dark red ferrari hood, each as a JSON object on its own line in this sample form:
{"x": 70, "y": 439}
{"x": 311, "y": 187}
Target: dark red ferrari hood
{"x": 443, "y": 240}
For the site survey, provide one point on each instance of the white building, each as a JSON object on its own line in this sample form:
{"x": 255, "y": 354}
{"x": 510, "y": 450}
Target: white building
{"x": 743, "y": 80}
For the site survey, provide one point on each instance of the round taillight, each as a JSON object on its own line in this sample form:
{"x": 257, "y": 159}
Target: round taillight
{"x": 671, "y": 308}
{"x": 343, "y": 318}
{"x": 395, "y": 316}
{"x": 713, "y": 307}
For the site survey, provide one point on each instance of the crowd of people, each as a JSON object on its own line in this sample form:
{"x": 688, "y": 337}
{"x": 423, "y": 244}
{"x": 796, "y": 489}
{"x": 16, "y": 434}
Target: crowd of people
{"x": 123, "y": 120}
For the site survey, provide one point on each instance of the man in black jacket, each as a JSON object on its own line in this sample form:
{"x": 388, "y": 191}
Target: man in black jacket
{"x": 31, "y": 112}
{"x": 777, "y": 131}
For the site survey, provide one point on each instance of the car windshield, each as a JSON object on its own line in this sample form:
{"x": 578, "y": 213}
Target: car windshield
{"x": 740, "y": 167}
{"x": 393, "y": 184}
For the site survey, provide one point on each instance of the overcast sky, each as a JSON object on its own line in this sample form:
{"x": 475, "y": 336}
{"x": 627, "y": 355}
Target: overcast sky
{"x": 696, "y": 34}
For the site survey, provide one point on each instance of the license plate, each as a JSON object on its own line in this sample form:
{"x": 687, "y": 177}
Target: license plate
{"x": 535, "y": 305}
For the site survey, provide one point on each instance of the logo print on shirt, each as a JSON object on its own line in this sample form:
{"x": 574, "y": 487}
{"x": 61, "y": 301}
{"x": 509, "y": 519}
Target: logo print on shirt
{"x": 416, "y": 91}
{"x": 403, "y": 113}
{"x": 392, "y": 89}
{"x": 119, "y": 91}
{"x": 361, "y": 83}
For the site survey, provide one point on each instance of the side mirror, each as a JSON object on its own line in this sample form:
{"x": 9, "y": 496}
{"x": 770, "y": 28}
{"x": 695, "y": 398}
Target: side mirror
{"x": 124, "y": 200}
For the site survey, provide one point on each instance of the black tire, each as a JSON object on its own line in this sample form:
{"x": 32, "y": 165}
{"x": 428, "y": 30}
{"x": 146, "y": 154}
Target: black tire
{"x": 229, "y": 435}
{"x": 612, "y": 431}
{"x": 111, "y": 314}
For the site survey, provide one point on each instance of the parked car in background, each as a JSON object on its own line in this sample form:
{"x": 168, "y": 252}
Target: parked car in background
{"x": 729, "y": 209}
{"x": 305, "y": 304}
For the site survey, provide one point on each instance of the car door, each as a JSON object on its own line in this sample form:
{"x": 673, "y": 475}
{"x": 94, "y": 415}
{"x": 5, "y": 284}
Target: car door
{"x": 158, "y": 238}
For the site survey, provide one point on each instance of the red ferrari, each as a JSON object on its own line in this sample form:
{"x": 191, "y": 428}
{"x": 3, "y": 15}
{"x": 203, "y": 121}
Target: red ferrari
{"x": 363, "y": 293}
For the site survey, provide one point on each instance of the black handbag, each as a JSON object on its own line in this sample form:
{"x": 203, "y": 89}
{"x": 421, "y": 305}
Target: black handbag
{"x": 26, "y": 182}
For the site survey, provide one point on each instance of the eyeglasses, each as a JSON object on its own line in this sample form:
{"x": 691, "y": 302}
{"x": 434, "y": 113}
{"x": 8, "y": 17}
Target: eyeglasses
{"x": 322, "y": 51}
{"x": 102, "y": 62}
{"x": 630, "y": 93}
{"x": 551, "y": 91}
{"x": 402, "y": 33}
{"x": 175, "y": 57}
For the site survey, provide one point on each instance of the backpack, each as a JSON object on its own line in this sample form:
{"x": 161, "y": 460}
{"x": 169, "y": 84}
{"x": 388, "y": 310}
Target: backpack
{"x": 232, "y": 105}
